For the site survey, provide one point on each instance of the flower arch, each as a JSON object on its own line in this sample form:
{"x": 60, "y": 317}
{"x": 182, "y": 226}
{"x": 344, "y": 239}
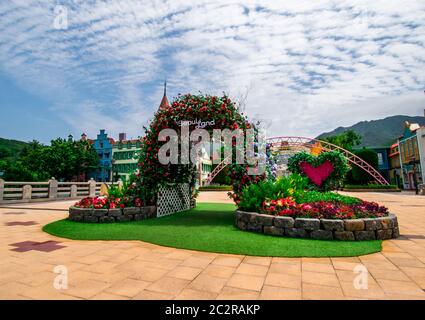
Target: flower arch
{"x": 220, "y": 112}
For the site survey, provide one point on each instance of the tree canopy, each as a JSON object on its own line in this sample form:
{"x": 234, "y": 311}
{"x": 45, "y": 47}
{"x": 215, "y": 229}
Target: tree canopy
{"x": 347, "y": 140}
{"x": 63, "y": 159}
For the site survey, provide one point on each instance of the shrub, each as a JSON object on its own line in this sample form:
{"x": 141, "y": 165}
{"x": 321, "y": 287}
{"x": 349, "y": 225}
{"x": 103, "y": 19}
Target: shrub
{"x": 215, "y": 188}
{"x": 315, "y": 196}
{"x": 371, "y": 157}
{"x": 254, "y": 195}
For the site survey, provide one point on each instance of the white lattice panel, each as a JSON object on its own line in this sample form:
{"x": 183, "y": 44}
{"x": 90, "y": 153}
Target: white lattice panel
{"x": 173, "y": 199}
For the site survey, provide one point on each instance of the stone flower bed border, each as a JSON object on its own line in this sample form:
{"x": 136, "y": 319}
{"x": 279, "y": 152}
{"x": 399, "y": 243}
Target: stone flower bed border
{"x": 111, "y": 215}
{"x": 321, "y": 229}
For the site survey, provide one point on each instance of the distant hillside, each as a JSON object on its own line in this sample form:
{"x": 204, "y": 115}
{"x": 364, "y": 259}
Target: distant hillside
{"x": 10, "y": 148}
{"x": 381, "y": 132}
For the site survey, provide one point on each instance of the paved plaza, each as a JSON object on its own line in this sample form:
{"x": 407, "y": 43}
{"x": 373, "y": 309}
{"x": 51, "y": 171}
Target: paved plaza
{"x": 139, "y": 270}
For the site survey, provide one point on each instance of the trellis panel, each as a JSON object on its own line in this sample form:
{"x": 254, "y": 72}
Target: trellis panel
{"x": 172, "y": 199}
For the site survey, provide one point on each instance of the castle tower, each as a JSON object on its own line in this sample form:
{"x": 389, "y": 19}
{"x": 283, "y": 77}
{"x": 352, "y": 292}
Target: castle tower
{"x": 164, "y": 105}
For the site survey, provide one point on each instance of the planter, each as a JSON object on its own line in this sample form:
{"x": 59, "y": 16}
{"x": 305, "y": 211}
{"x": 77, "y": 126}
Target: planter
{"x": 111, "y": 215}
{"x": 320, "y": 229}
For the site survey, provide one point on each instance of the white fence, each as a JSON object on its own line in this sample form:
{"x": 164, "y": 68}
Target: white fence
{"x": 16, "y": 192}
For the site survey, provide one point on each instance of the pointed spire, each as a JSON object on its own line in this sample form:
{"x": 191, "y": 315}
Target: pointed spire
{"x": 164, "y": 102}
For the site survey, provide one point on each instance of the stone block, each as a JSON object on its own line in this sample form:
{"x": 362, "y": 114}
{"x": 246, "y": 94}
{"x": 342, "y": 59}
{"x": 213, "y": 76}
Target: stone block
{"x": 307, "y": 224}
{"x": 241, "y": 224}
{"x": 364, "y": 235}
{"x": 131, "y": 210}
{"x": 371, "y": 224}
{"x": 386, "y": 222}
{"x": 264, "y": 219}
{"x": 321, "y": 235}
{"x": 296, "y": 233}
{"x": 283, "y": 222}
{"x": 90, "y": 219}
{"x": 344, "y": 235}
{"x": 138, "y": 217}
{"x": 149, "y": 211}
{"x": 393, "y": 217}
{"x": 384, "y": 234}
{"x": 275, "y": 231}
{"x": 100, "y": 212}
{"x": 254, "y": 227}
{"x": 354, "y": 225}
{"x": 396, "y": 232}
{"x": 106, "y": 219}
{"x": 115, "y": 213}
{"x": 332, "y": 224}
{"x": 123, "y": 218}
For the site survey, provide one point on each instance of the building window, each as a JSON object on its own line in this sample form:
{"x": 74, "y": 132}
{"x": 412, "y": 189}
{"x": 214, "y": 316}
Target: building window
{"x": 380, "y": 159}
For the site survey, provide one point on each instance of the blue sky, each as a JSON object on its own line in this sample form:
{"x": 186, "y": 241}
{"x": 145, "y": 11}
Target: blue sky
{"x": 302, "y": 67}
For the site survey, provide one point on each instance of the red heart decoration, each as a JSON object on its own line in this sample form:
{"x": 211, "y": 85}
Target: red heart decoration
{"x": 317, "y": 174}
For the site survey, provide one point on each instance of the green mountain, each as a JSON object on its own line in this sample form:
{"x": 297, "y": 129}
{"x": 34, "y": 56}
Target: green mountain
{"x": 382, "y": 132}
{"x": 10, "y": 149}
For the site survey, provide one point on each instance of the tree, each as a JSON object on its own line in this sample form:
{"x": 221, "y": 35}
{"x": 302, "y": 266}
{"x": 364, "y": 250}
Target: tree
{"x": 347, "y": 140}
{"x": 359, "y": 175}
{"x": 63, "y": 159}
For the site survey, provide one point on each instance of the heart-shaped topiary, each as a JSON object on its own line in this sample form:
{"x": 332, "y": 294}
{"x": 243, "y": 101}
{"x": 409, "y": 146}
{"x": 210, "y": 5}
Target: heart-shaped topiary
{"x": 317, "y": 174}
{"x": 324, "y": 172}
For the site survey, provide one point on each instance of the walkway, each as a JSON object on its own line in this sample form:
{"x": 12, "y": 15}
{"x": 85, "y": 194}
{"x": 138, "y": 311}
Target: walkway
{"x": 138, "y": 270}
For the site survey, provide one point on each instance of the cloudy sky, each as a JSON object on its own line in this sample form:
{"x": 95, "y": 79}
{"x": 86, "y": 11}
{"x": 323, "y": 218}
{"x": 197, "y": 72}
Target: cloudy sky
{"x": 303, "y": 67}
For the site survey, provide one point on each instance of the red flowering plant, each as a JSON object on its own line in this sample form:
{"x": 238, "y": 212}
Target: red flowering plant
{"x": 322, "y": 210}
{"x": 118, "y": 197}
{"x": 281, "y": 207}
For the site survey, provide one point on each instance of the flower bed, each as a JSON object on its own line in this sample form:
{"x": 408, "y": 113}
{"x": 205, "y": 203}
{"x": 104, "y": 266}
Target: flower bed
{"x": 323, "y": 209}
{"x": 106, "y": 209}
{"x": 322, "y": 229}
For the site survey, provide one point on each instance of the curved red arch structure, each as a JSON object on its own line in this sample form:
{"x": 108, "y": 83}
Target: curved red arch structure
{"x": 302, "y": 143}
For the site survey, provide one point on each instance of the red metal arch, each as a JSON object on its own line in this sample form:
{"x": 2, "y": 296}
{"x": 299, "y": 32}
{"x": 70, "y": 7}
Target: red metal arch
{"x": 303, "y": 142}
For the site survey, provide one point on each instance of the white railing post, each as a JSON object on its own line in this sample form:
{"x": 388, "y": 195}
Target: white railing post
{"x": 53, "y": 188}
{"x": 26, "y": 192}
{"x": 74, "y": 190}
{"x": 92, "y": 188}
{"x": 119, "y": 183}
{"x": 1, "y": 189}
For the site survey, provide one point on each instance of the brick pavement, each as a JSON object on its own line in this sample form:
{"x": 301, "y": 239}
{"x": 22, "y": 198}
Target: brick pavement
{"x": 139, "y": 270}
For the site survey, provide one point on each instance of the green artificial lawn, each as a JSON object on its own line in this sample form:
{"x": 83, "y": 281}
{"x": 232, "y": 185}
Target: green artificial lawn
{"x": 209, "y": 227}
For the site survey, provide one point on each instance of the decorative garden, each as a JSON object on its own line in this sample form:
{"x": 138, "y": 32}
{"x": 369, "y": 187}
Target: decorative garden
{"x": 295, "y": 215}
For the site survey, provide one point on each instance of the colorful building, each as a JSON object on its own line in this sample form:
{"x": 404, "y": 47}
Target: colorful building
{"x": 103, "y": 146}
{"x": 125, "y": 154}
{"x": 412, "y": 153}
{"x": 395, "y": 174}
{"x": 383, "y": 161}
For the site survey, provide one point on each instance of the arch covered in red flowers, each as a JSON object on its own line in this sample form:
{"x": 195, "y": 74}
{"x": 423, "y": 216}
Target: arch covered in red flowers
{"x": 220, "y": 112}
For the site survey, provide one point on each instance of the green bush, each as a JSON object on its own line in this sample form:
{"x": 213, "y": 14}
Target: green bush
{"x": 359, "y": 175}
{"x": 253, "y": 195}
{"x": 315, "y": 196}
{"x": 216, "y": 188}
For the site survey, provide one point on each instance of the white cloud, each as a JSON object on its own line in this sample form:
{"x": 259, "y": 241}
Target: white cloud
{"x": 310, "y": 66}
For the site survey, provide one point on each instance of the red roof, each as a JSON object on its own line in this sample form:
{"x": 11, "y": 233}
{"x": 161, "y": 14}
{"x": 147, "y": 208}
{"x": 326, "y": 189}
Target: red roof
{"x": 164, "y": 103}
